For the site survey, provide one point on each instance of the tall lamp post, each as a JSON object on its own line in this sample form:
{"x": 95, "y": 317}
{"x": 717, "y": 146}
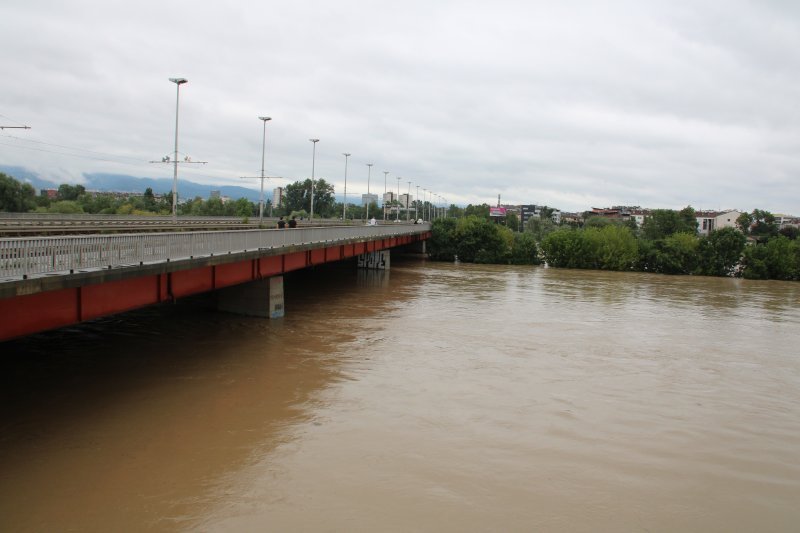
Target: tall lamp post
{"x": 385, "y": 190}
{"x": 313, "y": 160}
{"x": 408, "y": 197}
{"x": 369, "y": 173}
{"x": 397, "y": 218}
{"x": 178, "y": 82}
{"x": 263, "y": 151}
{"x": 416, "y": 205}
{"x": 344, "y": 207}
{"x": 424, "y": 199}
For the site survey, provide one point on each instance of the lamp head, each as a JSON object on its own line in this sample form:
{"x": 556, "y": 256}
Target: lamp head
{"x": 265, "y": 118}
{"x": 179, "y": 81}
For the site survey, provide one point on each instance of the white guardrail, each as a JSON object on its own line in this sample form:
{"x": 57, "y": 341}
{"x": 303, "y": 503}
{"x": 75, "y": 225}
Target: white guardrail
{"x": 38, "y": 256}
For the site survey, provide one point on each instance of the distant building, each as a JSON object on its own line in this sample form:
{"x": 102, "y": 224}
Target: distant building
{"x": 726, "y": 219}
{"x": 277, "y": 196}
{"x": 706, "y": 221}
{"x": 214, "y": 194}
{"x": 638, "y": 215}
{"x": 784, "y": 221}
{"x": 369, "y": 199}
{"x": 535, "y": 211}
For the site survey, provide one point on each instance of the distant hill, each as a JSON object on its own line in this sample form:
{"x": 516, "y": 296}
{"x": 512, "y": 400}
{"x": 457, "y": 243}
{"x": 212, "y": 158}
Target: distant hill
{"x": 123, "y": 183}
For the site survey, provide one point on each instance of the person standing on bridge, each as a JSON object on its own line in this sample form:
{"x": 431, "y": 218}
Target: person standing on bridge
{"x": 293, "y": 223}
{"x": 281, "y": 223}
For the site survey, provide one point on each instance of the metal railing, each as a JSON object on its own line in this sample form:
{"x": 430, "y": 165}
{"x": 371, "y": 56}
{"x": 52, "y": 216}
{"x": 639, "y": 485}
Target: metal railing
{"x": 39, "y": 256}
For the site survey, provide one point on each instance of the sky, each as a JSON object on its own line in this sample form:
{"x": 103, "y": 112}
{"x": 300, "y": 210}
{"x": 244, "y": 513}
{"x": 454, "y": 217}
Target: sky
{"x": 572, "y": 104}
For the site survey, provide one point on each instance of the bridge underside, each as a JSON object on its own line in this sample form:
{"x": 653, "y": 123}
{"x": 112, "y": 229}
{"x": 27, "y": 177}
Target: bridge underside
{"x": 50, "y": 309}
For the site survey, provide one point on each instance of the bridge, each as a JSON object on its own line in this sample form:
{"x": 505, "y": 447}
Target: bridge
{"x": 51, "y": 282}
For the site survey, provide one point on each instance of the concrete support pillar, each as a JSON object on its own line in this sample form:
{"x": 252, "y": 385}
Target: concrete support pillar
{"x": 262, "y": 298}
{"x": 375, "y": 260}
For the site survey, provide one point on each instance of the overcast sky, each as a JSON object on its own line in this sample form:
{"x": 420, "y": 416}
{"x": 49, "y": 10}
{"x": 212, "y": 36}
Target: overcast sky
{"x": 572, "y": 104}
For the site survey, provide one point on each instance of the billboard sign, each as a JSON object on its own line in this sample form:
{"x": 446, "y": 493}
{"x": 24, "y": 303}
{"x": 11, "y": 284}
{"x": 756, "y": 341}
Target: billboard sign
{"x": 497, "y": 211}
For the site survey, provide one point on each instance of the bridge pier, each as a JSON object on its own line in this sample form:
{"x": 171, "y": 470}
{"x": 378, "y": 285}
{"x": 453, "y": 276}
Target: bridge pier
{"x": 263, "y": 298}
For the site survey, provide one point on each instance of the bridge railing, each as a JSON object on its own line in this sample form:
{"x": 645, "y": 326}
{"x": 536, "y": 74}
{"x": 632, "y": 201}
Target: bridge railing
{"x": 38, "y": 256}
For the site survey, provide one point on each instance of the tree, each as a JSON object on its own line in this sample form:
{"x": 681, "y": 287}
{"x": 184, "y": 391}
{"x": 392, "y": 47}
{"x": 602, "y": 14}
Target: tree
{"x": 720, "y": 252}
{"x": 546, "y": 212}
{"x": 677, "y": 254}
{"x": 790, "y": 232}
{"x": 70, "y": 192}
{"x": 16, "y": 197}
{"x": 539, "y": 228}
{"x": 524, "y": 250}
{"x": 480, "y": 211}
{"x": 298, "y": 197}
{"x": 442, "y": 244}
{"x": 596, "y": 221}
{"x": 149, "y": 200}
{"x": 616, "y": 248}
{"x": 665, "y": 222}
{"x": 743, "y": 222}
{"x": 763, "y": 224}
{"x": 778, "y": 258}
{"x": 480, "y": 241}
{"x": 512, "y": 221}
{"x": 567, "y": 248}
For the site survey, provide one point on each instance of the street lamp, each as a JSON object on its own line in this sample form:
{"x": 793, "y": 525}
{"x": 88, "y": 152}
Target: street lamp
{"x": 424, "y": 199}
{"x": 397, "y": 218}
{"x": 263, "y": 150}
{"x": 344, "y": 207}
{"x": 385, "y": 190}
{"x": 178, "y": 82}
{"x": 369, "y": 173}
{"x": 313, "y": 160}
{"x": 408, "y": 197}
{"x": 416, "y": 205}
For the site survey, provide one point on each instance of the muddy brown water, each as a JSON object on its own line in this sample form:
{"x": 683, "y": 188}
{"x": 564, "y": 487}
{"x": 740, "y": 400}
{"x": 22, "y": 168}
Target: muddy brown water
{"x": 434, "y": 397}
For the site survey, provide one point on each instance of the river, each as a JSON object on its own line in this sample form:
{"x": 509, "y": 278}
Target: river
{"x": 433, "y": 397}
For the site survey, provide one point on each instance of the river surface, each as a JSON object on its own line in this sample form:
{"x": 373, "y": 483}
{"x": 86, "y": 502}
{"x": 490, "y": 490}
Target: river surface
{"x": 434, "y": 397}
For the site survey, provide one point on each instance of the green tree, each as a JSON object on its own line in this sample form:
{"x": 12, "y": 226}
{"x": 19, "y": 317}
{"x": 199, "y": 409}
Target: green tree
{"x": 481, "y": 241}
{"x": 480, "y": 211}
{"x": 763, "y": 224}
{"x": 720, "y": 252}
{"x": 65, "y": 207}
{"x": 665, "y": 222}
{"x": 442, "y": 244}
{"x": 241, "y": 208}
{"x": 149, "y": 199}
{"x": 568, "y": 248}
{"x": 790, "y": 232}
{"x": 512, "y": 221}
{"x": 597, "y": 221}
{"x": 778, "y": 258}
{"x": 677, "y": 254}
{"x": 298, "y": 197}
{"x": 70, "y": 192}
{"x": 616, "y": 248}
{"x": 524, "y": 250}
{"x": 540, "y": 227}
{"x": 16, "y": 197}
